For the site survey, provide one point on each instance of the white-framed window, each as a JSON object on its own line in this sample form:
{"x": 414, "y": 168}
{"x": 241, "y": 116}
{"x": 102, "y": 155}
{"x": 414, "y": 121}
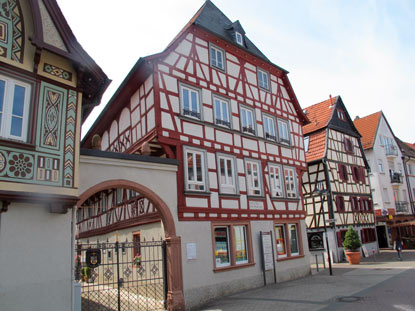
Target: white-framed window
{"x": 281, "y": 247}
{"x": 269, "y": 127}
{"x": 306, "y": 143}
{"x": 222, "y": 247}
{"x": 227, "y": 174}
{"x": 14, "y": 108}
{"x": 222, "y": 112}
{"x": 293, "y": 236}
{"x": 195, "y": 169}
{"x": 284, "y": 131}
{"x": 276, "y": 180}
{"x": 190, "y": 101}
{"x": 253, "y": 177}
{"x": 385, "y": 195}
{"x": 290, "y": 182}
{"x": 341, "y": 115}
{"x": 263, "y": 79}
{"x": 410, "y": 170}
{"x": 239, "y": 38}
{"x": 380, "y": 166}
{"x": 247, "y": 120}
{"x": 217, "y": 57}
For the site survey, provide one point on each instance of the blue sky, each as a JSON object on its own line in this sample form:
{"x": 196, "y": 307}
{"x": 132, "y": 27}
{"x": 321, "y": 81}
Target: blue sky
{"x": 363, "y": 51}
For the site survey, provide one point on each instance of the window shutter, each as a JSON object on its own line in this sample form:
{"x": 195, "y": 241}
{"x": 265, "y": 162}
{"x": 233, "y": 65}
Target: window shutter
{"x": 362, "y": 233}
{"x": 339, "y": 239}
{"x": 362, "y": 175}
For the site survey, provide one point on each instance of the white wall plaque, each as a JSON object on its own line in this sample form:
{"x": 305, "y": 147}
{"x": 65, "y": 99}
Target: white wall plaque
{"x": 191, "y": 251}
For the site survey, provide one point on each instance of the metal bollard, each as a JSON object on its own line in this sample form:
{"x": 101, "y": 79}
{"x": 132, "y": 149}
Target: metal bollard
{"x": 317, "y": 262}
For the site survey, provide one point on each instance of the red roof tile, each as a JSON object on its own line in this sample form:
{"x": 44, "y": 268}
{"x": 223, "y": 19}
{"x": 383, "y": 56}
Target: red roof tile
{"x": 316, "y": 146}
{"x": 367, "y": 127}
{"x": 319, "y": 115}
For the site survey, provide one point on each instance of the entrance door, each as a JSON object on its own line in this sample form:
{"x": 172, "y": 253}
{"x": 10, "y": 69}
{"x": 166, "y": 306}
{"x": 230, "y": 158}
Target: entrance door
{"x": 382, "y": 239}
{"x": 122, "y": 275}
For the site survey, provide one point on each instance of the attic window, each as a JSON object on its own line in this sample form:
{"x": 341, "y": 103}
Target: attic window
{"x": 239, "y": 38}
{"x": 341, "y": 115}
{"x": 306, "y": 143}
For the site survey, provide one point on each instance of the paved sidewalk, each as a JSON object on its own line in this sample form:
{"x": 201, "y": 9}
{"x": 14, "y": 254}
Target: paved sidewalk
{"x": 368, "y": 286}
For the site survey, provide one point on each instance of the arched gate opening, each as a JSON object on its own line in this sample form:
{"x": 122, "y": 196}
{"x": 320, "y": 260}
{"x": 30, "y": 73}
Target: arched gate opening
{"x": 128, "y": 256}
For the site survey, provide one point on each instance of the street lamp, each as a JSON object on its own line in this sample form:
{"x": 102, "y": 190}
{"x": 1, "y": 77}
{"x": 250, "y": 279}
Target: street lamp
{"x": 323, "y": 192}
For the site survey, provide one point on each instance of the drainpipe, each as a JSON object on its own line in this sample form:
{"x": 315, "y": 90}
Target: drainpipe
{"x": 408, "y": 184}
{"x": 330, "y": 205}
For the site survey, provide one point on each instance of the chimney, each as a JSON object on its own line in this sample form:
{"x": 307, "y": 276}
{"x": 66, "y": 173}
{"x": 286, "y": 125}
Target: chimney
{"x": 356, "y": 118}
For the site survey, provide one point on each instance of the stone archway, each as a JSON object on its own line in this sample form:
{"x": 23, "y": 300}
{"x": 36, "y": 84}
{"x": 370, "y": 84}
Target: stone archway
{"x": 175, "y": 297}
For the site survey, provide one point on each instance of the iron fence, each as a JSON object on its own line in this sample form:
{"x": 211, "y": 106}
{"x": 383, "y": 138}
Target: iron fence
{"x": 122, "y": 275}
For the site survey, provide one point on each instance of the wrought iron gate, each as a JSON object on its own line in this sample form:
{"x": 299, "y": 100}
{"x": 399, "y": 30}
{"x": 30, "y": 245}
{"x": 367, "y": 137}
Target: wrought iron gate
{"x": 122, "y": 275}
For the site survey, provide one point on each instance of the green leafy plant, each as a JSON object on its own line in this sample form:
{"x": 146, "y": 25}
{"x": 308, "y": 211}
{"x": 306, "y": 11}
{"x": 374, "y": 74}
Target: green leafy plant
{"x": 351, "y": 240}
{"x": 86, "y": 273}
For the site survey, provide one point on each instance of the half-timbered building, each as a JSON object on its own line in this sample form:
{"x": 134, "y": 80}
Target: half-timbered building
{"x": 216, "y": 104}
{"x": 387, "y": 178}
{"x": 48, "y": 85}
{"x": 336, "y": 186}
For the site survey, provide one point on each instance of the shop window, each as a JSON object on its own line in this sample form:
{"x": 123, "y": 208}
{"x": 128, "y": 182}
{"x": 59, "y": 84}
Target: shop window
{"x": 232, "y": 245}
{"x": 287, "y": 240}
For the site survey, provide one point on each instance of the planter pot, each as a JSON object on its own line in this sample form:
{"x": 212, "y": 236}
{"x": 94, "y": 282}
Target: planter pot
{"x": 353, "y": 257}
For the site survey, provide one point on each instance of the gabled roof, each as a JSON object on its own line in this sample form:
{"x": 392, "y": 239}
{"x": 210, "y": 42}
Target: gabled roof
{"x": 211, "y": 19}
{"x": 407, "y": 149}
{"x": 319, "y": 115}
{"x": 316, "y": 146}
{"x": 92, "y": 79}
{"x": 367, "y": 127}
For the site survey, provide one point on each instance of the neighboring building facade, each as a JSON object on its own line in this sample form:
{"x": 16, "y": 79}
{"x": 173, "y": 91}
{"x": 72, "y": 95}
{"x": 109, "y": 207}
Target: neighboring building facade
{"x": 48, "y": 83}
{"x": 408, "y": 158}
{"x": 336, "y": 164}
{"x": 217, "y": 105}
{"x": 387, "y": 179}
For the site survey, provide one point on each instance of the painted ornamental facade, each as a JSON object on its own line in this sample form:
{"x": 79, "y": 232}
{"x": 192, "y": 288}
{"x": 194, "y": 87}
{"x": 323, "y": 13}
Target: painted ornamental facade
{"x": 48, "y": 84}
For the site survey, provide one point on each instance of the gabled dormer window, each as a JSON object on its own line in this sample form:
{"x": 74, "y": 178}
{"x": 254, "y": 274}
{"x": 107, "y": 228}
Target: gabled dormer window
{"x": 239, "y": 38}
{"x": 217, "y": 57}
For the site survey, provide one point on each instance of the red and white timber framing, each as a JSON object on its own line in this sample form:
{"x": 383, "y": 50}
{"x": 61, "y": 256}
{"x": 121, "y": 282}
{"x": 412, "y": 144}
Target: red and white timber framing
{"x": 152, "y": 113}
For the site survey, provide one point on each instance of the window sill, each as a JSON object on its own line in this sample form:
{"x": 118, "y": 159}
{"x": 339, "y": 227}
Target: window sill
{"x": 16, "y": 144}
{"x": 202, "y": 193}
{"x": 256, "y": 197}
{"x": 289, "y": 258}
{"x": 229, "y": 195}
{"x": 245, "y": 265}
{"x": 264, "y": 89}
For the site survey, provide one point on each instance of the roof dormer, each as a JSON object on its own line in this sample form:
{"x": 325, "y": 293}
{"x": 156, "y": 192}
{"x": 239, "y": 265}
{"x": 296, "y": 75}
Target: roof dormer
{"x": 238, "y": 33}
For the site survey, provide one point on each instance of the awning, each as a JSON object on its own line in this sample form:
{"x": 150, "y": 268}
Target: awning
{"x": 403, "y": 224}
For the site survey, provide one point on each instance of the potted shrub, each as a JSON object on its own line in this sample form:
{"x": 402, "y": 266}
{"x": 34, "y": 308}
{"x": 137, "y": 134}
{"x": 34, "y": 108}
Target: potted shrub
{"x": 351, "y": 246}
{"x": 86, "y": 273}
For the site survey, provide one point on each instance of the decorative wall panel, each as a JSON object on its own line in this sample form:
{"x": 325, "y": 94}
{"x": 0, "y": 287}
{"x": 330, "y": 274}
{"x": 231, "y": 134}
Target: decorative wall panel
{"x": 11, "y": 30}
{"x": 52, "y": 115}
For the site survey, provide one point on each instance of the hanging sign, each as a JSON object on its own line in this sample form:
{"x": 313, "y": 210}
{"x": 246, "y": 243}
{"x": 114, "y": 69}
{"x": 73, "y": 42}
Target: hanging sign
{"x": 93, "y": 257}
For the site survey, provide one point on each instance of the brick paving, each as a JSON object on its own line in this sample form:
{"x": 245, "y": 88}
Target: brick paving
{"x": 368, "y": 286}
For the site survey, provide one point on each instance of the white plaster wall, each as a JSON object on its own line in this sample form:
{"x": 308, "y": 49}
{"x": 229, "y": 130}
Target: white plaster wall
{"x": 202, "y": 284}
{"x": 380, "y": 180}
{"x": 35, "y": 257}
{"x": 160, "y": 178}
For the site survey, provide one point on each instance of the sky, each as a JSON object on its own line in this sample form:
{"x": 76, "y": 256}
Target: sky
{"x": 362, "y": 50}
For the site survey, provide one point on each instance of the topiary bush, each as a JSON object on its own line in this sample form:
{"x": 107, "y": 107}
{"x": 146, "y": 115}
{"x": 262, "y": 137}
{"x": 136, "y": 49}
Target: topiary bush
{"x": 351, "y": 240}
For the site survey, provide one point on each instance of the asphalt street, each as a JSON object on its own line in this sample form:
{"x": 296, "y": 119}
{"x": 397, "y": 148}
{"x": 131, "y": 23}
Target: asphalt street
{"x": 387, "y": 284}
